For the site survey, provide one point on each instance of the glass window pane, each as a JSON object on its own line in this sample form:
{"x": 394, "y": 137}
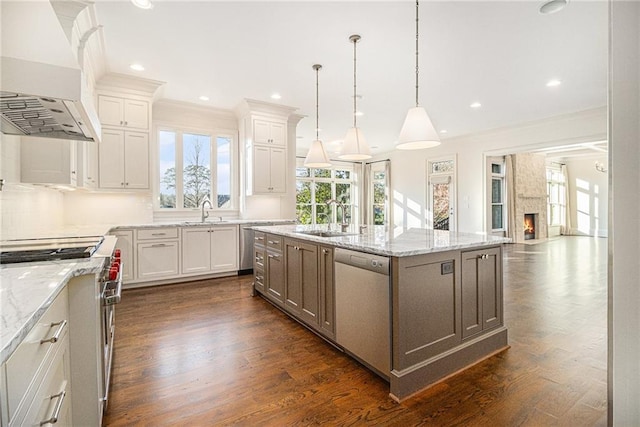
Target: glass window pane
{"x": 496, "y": 168}
{"x": 167, "y": 155}
{"x": 197, "y": 169}
{"x": 347, "y": 213}
{"x": 322, "y": 173}
{"x": 496, "y": 191}
{"x": 378, "y": 193}
{"x": 303, "y": 213}
{"x": 378, "y": 214}
{"x": 323, "y": 213}
{"x": 323, "y": 192}
{"x": 303, "y": 192}
{"x": 496, "y": 216}
{"x": 443, "y": 166}
{"x": 342, "y": 174}
{"x": 302, "y": 172}
{"x": 343, "y": 193}
{"x": 223, "y": 178}
{"x": 378, "y": 176}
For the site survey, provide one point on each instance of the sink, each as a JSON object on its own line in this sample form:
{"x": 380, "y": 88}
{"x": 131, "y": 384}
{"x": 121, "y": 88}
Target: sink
{"x": 205, "y": 223}
{"x": 326, "y": 233}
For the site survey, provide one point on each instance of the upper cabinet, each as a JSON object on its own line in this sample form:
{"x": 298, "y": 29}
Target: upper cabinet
{"x": 123, "y": 112}
{"x": 270, "y": 132}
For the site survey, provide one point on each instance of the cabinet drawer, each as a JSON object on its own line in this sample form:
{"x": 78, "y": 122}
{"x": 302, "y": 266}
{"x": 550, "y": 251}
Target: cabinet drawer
{"x": 157, "y": 233}
{"x": 274, "y": 242}
{"x": 53, "y": 397}
{"x": 27, "y": 364}
{"x": 259, "y": 238}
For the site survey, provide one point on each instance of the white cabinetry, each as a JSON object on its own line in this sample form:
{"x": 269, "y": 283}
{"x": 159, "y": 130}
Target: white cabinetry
{"x": 48, "y": 161}
{"x": 157, "y": 253}
{"x": 37, "y": 375}
{"x": 209, "y": 249}
{"x": 123, "y": 112}
{"x": 269, "y": 169}
{"x": 88, "y": 164}
{"x": 125, "y": 244}
{"x": 269, "y": 132}
{"x": 124, "y": 159}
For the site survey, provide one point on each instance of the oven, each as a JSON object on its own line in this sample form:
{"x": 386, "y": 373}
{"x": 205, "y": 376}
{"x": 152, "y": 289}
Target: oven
{"x": 111, "y": 291}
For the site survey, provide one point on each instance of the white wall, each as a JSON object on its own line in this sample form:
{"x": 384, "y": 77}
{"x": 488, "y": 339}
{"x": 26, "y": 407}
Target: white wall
{"x": 624, "y": 215}
{"x": 408, "y": 168}
{"x": 588, "y": 197}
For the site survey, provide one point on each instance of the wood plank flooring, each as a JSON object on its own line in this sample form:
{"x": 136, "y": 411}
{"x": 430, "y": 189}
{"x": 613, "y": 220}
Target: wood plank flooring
{"x": 207, "y": 353}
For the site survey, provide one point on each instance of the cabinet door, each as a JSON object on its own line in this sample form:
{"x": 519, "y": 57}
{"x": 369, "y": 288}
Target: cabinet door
{"x": 261, "y": 169}
{"x": 136, "y": 160}
{"x": 110, "y": 110}
{"x": 136, "y": 114}
{"x": 111, "y": 159}
{"x": 275, "y": 277}
{"x": 278, "y": 170}
{"x": 261, "y": 131}
{"x": 326, "y": 285}
{"x": 481, "y": 290}
{"x": 224, "y": 248}
{"x": 309, "y": 283}
{"x": 196, "y": 250}
{"x": 48, "y": 161}
{"x": 125, "y": 244}
{"x": 157, "y": 260}
{"x": 88, "y": 159}
{"x": 293, "y": 276}
{"x": 278, "y": 133}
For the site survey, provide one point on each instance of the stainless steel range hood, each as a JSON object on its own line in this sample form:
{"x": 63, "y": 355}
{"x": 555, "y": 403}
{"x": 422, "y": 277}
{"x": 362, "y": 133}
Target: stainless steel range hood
{"x": 43, "y": 92}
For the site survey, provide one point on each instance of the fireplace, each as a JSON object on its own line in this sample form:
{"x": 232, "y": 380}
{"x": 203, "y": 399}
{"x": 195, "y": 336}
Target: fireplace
{"x": 529, "y": 226}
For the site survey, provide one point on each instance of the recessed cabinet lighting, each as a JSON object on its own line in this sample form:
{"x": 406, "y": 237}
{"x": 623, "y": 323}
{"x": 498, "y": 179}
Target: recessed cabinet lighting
{"x": 203, "y": 98}
{"x": 142, "y": 4}
{"x": 554, "y": 83}
{"x": 136, "y": 67}
{"x": 475, "y": 105}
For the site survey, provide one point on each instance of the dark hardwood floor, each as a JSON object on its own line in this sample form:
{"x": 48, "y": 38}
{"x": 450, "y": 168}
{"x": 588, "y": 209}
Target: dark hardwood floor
{"x": 207, "y": 353}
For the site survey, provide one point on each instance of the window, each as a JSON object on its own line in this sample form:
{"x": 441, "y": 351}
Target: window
{"x": 194, "y": 167}
{"x": 441, "y": 193}
{"x": 378, "y": 193}
{"x": 556, "y": 195}
{"x": 315, "y": 187}
{"x": 497, "y": 196}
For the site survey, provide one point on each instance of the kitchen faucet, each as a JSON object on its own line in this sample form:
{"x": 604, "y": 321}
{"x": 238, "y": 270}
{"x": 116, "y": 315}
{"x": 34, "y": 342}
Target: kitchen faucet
{"x": 345, "y": 224}
{"x": 205, "y": 215}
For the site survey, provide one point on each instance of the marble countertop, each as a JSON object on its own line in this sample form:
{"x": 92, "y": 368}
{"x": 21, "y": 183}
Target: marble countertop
{"x": 376, "y": 240}
{"x": 28, "y": 289}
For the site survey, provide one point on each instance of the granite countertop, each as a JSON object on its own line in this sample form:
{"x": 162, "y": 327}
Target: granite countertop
{"x": 28, "y": 289}
{"x": 376, "y": 240}
{"x": 196, "y": 223}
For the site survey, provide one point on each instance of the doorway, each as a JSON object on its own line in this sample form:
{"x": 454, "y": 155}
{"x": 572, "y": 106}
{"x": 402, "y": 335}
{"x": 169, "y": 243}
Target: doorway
{"x": 441, "y": 193}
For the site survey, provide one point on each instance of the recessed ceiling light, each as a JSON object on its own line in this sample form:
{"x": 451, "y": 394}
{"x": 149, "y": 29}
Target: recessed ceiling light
{"x": 475, "y": 105}
{"x": 136, "y": 67}
{"x": 142, "y": 4}
{"x": 443, "y": 131}
{"x": 553, "y": 6}
{"x": 359, "y": 113}
{"x": 553, "y": 83}
{"x": 276, "y": 96}
{"x": 203, "y": 98}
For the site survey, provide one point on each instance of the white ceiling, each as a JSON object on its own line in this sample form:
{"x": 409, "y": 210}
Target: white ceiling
{"x": 500, "y": 54}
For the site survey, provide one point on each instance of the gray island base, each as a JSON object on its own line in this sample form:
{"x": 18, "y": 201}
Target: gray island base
{"x": 443, "y": 291}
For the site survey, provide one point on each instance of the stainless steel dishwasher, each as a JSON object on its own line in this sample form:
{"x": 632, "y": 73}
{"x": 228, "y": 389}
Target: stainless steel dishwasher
{"x": 363, "y": 307}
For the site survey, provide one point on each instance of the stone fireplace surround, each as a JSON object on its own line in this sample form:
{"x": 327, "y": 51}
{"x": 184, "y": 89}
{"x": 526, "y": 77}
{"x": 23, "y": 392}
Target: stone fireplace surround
{"x": 530, "y": 191}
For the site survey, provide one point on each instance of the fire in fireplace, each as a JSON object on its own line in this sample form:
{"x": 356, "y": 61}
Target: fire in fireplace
{"x": 529, "y": 226}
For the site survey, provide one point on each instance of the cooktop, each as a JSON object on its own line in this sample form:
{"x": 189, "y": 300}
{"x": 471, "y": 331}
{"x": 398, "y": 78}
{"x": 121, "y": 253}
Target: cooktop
{"x": 48, "y": 249}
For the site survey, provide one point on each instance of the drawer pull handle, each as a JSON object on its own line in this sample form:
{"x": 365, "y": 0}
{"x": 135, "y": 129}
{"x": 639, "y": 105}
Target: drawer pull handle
{"x": 54, "y": 339}
{"x": 56, "y": 410}
{"x": 159, "y": 245}
{"x": 158, "y": 234}
{"x": 274, "y": 256}
{"x": 274, "y": 242}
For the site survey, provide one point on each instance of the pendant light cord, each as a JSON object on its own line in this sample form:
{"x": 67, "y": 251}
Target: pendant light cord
{"x": 317, "y": 67}
{"x": 355, "y": 41}
{"x": 417, "y": 71}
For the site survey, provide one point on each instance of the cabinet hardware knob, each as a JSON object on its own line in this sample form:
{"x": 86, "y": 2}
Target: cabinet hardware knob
{"x": 56, "y": 336}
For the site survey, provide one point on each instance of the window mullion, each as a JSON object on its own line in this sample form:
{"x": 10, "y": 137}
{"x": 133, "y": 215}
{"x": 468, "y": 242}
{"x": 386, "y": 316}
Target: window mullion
{"x": 179, "y": 170}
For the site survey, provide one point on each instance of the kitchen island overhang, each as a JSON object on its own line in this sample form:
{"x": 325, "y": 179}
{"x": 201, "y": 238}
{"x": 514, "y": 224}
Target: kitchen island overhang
{"x": 446, "y": 301}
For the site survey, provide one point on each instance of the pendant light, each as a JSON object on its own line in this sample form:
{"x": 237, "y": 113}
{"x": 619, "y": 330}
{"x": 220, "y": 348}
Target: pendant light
{"x": 417, "y": 131}
{"x": 355, "y": 146}
{"x": 317, "y": 157}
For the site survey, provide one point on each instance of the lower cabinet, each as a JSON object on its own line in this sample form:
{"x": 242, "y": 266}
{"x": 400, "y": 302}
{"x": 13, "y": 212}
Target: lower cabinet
{"x": 157, "y": 253}
{"x": 209, "y": 249}
{"x": 481, "y": 290}
{"x": 300, "y": 278}
{"x": 125, "y": 244}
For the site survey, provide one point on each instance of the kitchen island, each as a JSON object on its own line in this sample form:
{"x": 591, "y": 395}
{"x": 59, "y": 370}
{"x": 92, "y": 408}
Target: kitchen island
{"x": 444, "y": 295}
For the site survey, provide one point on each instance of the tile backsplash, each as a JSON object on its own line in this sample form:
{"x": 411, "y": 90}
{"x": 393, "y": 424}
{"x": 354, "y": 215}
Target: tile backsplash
{"x": 29, "y": 211}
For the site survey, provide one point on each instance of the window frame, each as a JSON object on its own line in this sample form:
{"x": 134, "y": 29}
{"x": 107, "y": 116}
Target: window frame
{"x": 213, "y": 134}
{"x": 561, "y": 188}
{"x": 499, "y": 176}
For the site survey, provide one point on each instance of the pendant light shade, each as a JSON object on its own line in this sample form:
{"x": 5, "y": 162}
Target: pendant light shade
{"x": 317, "y": 157}
{"x": 355, "y": 147}
{"x": 417, "y": 131}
